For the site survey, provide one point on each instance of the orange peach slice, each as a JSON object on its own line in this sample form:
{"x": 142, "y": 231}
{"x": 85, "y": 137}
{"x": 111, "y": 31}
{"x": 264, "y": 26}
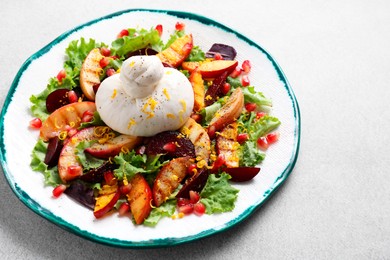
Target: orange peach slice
{"x": 139, "y": 198}
{"x": 114, "y": 146}
{"x": 90, "y": 73}
{"x": 177, "y": 52}
{"x": 211, "y": 69}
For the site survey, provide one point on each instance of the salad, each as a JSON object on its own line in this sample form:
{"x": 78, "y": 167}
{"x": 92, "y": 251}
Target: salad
{"x": 150, "y": 128}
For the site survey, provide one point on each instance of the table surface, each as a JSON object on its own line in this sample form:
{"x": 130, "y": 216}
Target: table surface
{"x": 336, "y": 202}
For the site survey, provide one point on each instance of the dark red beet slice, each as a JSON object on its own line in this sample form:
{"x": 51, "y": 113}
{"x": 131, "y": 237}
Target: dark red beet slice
{"x": 57, "y": 99}
{"x": 215, "y": 90}
{"x": 194, "y": 183}
{"x": 159, "y": 143}
{"x": 97, "y": 174}
{"x": 227, "y": 52}
{"x": 53, "y": 152}
{"x": 144, "y": 51}
{"x": 242, "y": 174}
{"x": 82, "y": 194}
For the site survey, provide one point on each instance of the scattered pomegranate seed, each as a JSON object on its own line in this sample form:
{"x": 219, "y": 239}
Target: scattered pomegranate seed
{"x": 72, "y": 96}
{"x": 180, "y": 26}
{"x": 186, "y": 209}
{"x": 58, "y": 190}
{"x": 226, "y": 88}
{"x": 246, "y": 66}
{"x": 109, "y": 177}
{"x": 245, "y": 81}
{"x": 159, "y": 28}
{"x": 87, "y": 116}
{"x": 194, "y": 196}
{"x": 272, "y": 137}
{"x": 182, "y": 202}
{"x": 260, "y": 114}
{"x": 140, "y": 150}
{"x": 61, "y": 75}
{"x": 236, "y": 72}
{"x": 124, "y": 208}
{"x": 199, "y": 209}
{"x": 170, "y": 147}
{"x": 35, "y": 123}
{"x": 95, "y": 87}
{"x": 105, "y": 51}
{"x": 218, "y": 56}
{"x": 192, "y": 169}
{"x": 242, "y": 137}
{"x": 75, "y": 170}
{"x": 122, "y": 33}
{"x": 250, "y": 107}
{"x": 125, "y": 189}
{"x": 104, "y": 62}
{"x": 110, "y": 72}
{"x": 262, "y": 143}
{"x": 219, "y": 162}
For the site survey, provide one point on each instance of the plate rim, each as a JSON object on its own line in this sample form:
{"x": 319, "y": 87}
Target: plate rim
{"x": 163, "y": 242}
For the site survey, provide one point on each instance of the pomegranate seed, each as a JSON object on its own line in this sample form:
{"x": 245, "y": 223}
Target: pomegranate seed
{"x": 104, "y": 62}
{"x": 125, "y": 189}
{"x": 199, "y": 209}
{"x": 246, "y": 66}
{"x": 186, "y": 209}
{"x": 105, "y": 51}
{"x": 236, "y": 72}
{"x": 219, "y": 162}
{"x": 197, "y": 117}
{"x": 75, "y": 170}
{"x": 36, "y": 123}
{"x": 211, "y": 132}
{"x": 262, "y": 143}
{"x": 95, "y": 87}
{"x": 58, "y": 190}
{"x": 87, "y": 116}
{"x": 226, "y": 88}
{"x": 192, "y": 169}
{"x": 218, "y": 56}
{"x": 245, "y": 81}
{"x": 183, "y": 202}
{"x": 61, "y": 75}
{"x": 180, "y": 26}
{"x": 194, "y": 196}
{"x": 110, "y": 72}
{"x": 72, "y": 96}
{"x": 272, "y": 138}
{"x": 140, "y": 150}
{"x": 260, "y": 115}
{"x": 159, "y": 28}
{"x": 170, "y": 147}
{"x": 122, "y": 33}
{"x": 242, "y": 137}
{"x": 124, "y": 208}
{"x": 109, "y": 177}
{"x": 250, "y": 107}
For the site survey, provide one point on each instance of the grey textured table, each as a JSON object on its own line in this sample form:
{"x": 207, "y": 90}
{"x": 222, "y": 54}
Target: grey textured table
{"x": 336, "y": 202}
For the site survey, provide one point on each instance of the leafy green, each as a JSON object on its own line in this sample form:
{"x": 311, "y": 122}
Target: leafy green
{"x": 209, "y": 112}
{"x": 196, "y": 54}
{"x": 218, "y": 195}
{"x": 37, "y": 164}
{"x": 167, "y": 209}
{"x": 263, "y": 126}
{"x": 250, "y": 155}
{"x": 137, "y": 39}
{"x": 86, "y": 160}
{"x": 96, "y": 121}
{"x": 253, "y": 96}
{"x": 174, "y": 36}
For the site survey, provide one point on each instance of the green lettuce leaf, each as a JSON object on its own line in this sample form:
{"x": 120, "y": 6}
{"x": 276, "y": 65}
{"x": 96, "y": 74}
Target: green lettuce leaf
{"x": 86, "y": 160}
{"x": 37, "y": 164}
{"x": 196, "y": 54}
{"x": 250, "y": 155}
{"x": 167, "y": 209}
{"x": 253, "y": 96}
{"x": 173, "y": 37}
{"x": 218, "y": 195}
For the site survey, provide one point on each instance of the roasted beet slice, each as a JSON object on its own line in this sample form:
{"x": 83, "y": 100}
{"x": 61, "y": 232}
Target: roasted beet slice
{"x": 227, "y": 52}
{"x": 97, "y": 174}
{"x": 57, "y": 99}
{"x": 171, "y": 143}
{"x": 53, "y": 151}
{"x": 144, "y": 51}
{"x": 195, "y": 183}
{"x": 81, "y": 193}
{"x": 242, "y": 174}
{"x": 215, "y": 90}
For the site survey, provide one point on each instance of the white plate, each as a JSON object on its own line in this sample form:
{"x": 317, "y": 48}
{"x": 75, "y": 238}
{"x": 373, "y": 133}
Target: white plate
{"x": 17, "y": 141}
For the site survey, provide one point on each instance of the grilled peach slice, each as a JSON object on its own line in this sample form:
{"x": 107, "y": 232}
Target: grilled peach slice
{"x": 63, "y": 117}
{"x": 177, "y": 52}
{"x": 199, "y": 90}
{"x": 211, "y": 69}
{"x": 69, "y": 167}
{"x": 114, "y": 146}
{"x": 90, "y": 73}
{"x": 106, "y": 200}
{"x": 169, "y": 178}
{"x": 229, "y": 112}
{"x": 139, "y": 198}
{"x": 228, "y": 146}
{"x": 199, "y": 137}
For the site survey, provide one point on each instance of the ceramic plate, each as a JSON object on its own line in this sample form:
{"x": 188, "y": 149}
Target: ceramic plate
{"x": 17, "y": 141}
